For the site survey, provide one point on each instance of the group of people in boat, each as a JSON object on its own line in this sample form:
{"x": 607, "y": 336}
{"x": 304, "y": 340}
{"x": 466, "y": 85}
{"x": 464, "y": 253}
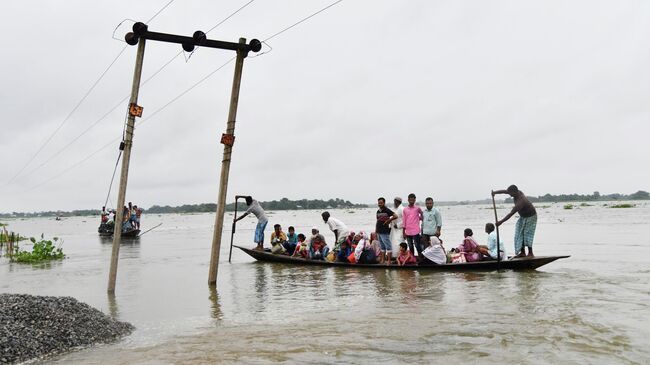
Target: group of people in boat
{"x": 131, "y": 215}
{"x": 416, "y": 231}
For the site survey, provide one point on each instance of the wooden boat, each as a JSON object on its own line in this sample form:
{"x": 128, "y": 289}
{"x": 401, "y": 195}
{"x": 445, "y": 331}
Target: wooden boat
{"x": 523, "y": 263}
{"x": 106, "y": 230}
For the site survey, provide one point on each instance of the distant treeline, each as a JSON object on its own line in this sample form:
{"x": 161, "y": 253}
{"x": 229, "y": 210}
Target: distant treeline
{"x": 596, "y": 196}
{"x": 282, "y": 204}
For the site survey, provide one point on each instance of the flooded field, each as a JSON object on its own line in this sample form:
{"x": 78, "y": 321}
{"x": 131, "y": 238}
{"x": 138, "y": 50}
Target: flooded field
{"x": 592, "y": 308}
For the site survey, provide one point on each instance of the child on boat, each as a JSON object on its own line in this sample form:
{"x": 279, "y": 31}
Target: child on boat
{"x": 318, "y": 249}
{"x": 405, "y": 257}
{"x": 302, "y": 249}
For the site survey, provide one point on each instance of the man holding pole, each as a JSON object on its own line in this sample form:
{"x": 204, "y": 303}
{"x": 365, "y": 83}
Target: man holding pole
{"x": 255, "y": 208}
{"x": 526, "y": 223}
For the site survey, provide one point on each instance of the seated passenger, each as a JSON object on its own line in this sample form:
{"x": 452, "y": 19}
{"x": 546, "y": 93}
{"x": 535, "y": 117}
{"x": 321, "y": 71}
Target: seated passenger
{"x": 492, "y": 243}
{"x": 434, "y": 253}
{"x": 302, "y": 248}
{"x": 278, "y": 239}
{"x": 292, "y": 240}
{"x": 469, "y": 247}
{"x": 363, "y": 252}
{"x": 376, "y": 246}
{"x": 405, "y": 257}
{"x": 345, "y": 251}
{"x": 318, "y": 249}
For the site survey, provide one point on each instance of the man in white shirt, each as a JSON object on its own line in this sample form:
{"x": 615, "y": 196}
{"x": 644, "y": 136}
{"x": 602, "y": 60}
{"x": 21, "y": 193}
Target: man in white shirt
{"x": 339, "y": 228}
{"x": 255, "y": 208}
{"x": 397, "y": 233}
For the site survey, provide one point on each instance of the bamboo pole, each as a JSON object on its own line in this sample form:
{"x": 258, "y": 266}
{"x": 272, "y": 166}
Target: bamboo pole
{"x": 227, "y": 140}
{"x": 128, "y": 142}
{"x": 496, "y": 220}
{"x": 232, "y": 232}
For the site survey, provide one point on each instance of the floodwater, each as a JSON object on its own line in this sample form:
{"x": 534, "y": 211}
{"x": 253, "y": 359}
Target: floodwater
{"x": 592, "y": 308}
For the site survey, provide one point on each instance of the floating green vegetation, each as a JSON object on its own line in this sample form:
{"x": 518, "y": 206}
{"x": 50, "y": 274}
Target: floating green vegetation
{"x": 626, "y": 205}
{"x": 586, "y": 205}
{"x": 545, "y": 206}
{"x": 43, "y": 250}
{"x": 568, "y": 206}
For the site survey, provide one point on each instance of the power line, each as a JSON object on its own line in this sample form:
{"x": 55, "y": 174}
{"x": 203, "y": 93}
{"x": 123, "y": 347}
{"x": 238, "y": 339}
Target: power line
{"x": 67, "y": 118}
{"x": 127, "y": 97}
{"x": 159, "y": 11}
{"x": 173, "y": 100}
{"x": 191, "y": 87}
{"x": 302, "y": 20}
{"x": 69, "y": 115}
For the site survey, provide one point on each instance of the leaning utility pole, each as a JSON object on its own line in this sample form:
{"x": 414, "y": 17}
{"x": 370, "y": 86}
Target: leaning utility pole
{"x": 227, "y": 139}
{"x": 138, "y": 36}
{"x": 134, "y": 110}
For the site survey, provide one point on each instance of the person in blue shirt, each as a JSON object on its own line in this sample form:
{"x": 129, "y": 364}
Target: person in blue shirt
{"x": 492, "y": 242}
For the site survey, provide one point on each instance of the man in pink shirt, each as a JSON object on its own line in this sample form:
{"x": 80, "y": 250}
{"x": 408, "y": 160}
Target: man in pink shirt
{"x": 412, "y": 216}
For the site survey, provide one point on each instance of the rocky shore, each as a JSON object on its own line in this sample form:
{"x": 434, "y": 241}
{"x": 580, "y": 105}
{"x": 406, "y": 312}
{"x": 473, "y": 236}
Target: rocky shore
{"x": 36, "y": 326}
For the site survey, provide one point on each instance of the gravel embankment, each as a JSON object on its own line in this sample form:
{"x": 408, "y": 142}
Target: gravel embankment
{"x": 35, "y": 326}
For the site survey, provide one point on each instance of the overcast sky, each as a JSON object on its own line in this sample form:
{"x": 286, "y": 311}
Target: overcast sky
{"x": 369, "y": 98}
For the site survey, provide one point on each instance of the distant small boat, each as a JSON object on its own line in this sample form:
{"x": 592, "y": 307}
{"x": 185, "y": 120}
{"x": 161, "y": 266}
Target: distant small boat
{"x": 106, "y": 230}
{"x": 523, "y": 263}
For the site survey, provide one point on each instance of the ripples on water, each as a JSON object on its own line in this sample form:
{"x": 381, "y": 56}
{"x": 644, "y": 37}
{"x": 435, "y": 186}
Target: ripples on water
{"x": 591, "y": 308}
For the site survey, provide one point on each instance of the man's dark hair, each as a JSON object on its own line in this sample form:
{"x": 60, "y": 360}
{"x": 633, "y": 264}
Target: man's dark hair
{"x": 411, "y": 196}
{"x": 403, "y": 245}
{"x": 428, "y": 198}
{"x": 512, "y": 189}
{"x": 249, "y": 200}
{"x": 300, "y": 235}
{"x": 382, "y": 199}
{"x": 468, "y": 232}
{"x": 325, "y": 214}
{"x": 276, "y": 226}
{"x": 489, "y": 227}
{"x": 291, "y": 228}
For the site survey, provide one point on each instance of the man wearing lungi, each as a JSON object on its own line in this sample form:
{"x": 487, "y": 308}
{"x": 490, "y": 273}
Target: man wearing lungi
{"x": 526, "y": 223}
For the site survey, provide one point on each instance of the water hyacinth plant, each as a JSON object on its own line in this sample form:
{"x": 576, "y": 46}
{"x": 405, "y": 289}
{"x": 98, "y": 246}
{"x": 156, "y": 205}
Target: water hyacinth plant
{"x": 43, "y": 250}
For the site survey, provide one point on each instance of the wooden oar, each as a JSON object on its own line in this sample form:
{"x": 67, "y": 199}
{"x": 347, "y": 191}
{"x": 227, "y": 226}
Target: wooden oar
{"x": 151, "y": 229}
{"x": 232, "y": 233}
{"x": 496, "y": 220}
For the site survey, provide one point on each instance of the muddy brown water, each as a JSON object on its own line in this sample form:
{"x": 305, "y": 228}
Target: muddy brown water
{"x": 592, "y": 308}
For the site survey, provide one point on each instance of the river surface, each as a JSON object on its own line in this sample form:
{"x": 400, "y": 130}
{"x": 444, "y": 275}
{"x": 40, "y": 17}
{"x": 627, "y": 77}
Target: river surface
{"x": 593, "y": 308}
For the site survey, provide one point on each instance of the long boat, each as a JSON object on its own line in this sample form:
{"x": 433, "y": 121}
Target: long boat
{"x": 520, "y": 263}
{"x": 106, "y": 230}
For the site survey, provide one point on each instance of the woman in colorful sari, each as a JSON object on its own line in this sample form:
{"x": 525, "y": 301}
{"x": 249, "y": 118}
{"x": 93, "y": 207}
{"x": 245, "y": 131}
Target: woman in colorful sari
{"x": 469, "y": 247}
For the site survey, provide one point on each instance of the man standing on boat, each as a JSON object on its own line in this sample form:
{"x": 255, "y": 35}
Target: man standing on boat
{"x": 412, "y": 224}
{"x": 397, "y": 231}
{"x": 431, "y": 220}
{"x": 384, "y": 218}
{"x": 255, "y": 208}
{"x": 526, "y": 223}
{"x": 339, "y": 228}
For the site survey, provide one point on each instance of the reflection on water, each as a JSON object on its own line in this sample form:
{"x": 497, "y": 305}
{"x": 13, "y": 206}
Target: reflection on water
{"x": 215, "y": 307}
{"x": 591, "y": 308}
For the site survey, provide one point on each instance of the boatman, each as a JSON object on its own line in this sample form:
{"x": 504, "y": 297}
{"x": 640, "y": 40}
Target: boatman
{"x": 255, "y": 208}
{"x": 527, "y": 222}
{"x": 339, "y": 228}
